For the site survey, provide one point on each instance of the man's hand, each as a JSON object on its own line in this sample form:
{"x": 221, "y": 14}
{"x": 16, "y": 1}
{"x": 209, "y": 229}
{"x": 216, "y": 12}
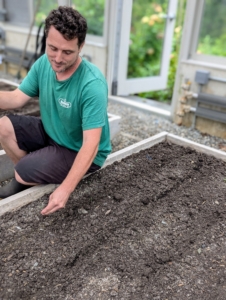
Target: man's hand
{"x": 57, "y": 200}
{"x": 82, "y": 162}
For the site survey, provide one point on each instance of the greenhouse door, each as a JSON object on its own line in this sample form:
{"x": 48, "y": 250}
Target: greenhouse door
{"x": 143, "y": 45}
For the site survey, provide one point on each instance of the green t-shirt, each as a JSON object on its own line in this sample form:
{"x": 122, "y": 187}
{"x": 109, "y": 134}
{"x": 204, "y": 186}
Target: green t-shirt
{"x": 70, "y": 106}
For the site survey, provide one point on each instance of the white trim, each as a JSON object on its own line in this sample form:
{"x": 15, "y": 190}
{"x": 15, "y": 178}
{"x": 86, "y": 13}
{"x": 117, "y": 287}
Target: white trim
{"x": 111, "y": 41}
{"x": 141, "y": 106}
{"x": 212, "y": 59}
{"x": 9, "y": 82}
{"x": 196, "y": 24}
{"x": 204, "y": 64}
{"x": 18, "y": 29}
{"x": 95, "y": 40}
{"x": 124, "y": 47}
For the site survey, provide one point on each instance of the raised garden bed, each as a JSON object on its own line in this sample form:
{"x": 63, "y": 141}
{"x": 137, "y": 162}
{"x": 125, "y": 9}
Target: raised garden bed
{"x": 149, "y": 227}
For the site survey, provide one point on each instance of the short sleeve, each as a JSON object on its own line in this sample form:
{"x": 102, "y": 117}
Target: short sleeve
{"x": 30, "y": 84}
{"x": 94, "y": 104}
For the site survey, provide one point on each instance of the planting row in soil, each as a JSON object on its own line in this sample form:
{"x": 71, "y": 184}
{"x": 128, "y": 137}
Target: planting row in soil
{"x": 149, "y": 227}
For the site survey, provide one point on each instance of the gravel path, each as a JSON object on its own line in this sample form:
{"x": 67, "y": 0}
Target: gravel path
{"x": 136, "y": 126}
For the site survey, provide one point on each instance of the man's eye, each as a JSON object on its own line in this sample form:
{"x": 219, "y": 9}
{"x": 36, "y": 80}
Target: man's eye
{"x": 68, "y": 52}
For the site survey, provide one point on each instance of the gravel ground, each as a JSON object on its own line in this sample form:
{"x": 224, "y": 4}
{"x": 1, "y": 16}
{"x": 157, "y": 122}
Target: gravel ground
{"x": 136, "y": 126}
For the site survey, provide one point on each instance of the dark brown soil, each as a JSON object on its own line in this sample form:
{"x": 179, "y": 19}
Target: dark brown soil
{"x": 149, "y": 227}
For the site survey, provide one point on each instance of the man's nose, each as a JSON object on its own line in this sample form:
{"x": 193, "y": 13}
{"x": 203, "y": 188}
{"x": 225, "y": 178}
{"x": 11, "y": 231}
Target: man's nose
{"x": 58, "y": 57}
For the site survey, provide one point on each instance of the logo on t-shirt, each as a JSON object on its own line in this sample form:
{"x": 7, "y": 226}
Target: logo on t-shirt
{"x": 64, "y": 103}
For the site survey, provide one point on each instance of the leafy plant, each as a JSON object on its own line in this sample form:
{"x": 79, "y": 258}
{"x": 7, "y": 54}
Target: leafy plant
{"x": 147, "y": 37}
{"x": 93, "y": 11}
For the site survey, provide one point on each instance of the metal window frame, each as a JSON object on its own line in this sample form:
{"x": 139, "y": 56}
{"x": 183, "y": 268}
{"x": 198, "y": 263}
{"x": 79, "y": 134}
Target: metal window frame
{"x": 120, "y": 21}
{"x": 194, "y": 13}
{"x": 101, "y": 41}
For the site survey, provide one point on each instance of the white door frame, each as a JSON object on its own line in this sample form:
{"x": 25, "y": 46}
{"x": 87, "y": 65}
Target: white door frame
{"x": 119, "y": 33}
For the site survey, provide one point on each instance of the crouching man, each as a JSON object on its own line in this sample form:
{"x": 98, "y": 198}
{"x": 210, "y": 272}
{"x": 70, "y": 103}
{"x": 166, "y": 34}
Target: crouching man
{"x": 71, "y": 138}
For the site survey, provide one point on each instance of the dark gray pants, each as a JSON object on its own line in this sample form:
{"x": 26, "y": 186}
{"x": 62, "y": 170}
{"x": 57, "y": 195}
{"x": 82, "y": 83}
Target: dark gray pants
{"x": 46, "y": 161}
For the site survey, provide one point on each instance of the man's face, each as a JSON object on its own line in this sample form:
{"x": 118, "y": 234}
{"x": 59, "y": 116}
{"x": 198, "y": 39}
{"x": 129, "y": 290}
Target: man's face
{"x": 62, "y": 54}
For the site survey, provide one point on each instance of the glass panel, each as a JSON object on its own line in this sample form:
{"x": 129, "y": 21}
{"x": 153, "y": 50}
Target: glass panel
{"x": 146, "y": 38}
{"x": 17, "y": 12}
{"x": 212, "y": 37}
{"x": 43, "y": 10}
{"x": 93, "y": 11}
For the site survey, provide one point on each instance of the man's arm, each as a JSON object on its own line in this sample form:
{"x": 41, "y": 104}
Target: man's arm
{"x": 13, "y": 99}
{"x": 83, "y": 161}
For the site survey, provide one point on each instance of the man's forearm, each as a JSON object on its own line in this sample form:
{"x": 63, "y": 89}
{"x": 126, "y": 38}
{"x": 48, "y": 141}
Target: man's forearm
{"x": 80, "y": 166}
{"x": 12, "y": 99}
{"x": 82, "y": 162}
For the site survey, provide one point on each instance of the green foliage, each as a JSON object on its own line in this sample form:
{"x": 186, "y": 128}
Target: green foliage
{"x": 211, "y": 46}
{"x": 93, "y": 11}
{"x": 166, "y": 94}
{"x": 213, "y": 21}
{"x": 147, "y": 37}
{"x": 44, "y": 9}
{"x": 212, "y": 37}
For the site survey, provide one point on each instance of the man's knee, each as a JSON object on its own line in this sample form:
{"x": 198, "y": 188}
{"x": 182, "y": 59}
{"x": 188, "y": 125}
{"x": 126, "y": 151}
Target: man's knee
{"x": 18, "y": 178}
{"x": 6, "y": 128}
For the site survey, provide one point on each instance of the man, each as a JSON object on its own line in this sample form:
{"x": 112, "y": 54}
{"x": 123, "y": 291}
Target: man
{"x": 72, "y": 136}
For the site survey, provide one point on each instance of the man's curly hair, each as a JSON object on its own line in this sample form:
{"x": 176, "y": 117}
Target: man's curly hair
{"x": 69, "y": 22}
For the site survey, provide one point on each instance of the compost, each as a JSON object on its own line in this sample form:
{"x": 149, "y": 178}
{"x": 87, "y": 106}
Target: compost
{"x": 149, "y": 227}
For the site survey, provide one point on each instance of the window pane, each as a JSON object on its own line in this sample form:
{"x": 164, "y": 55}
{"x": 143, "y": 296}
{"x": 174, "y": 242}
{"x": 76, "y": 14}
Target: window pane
{"x": 44, "y": 9}
{"x": 93, "y": 11}
{"x": 17, "y": 12}
{"x": 146, "y": 38}
{"x": 212, "y": 37}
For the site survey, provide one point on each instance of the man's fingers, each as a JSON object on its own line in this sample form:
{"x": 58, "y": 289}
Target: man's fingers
{"x": 48, "y": 212}
{"x": 57, "y": 200}
{"x": 50, "y": 208}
